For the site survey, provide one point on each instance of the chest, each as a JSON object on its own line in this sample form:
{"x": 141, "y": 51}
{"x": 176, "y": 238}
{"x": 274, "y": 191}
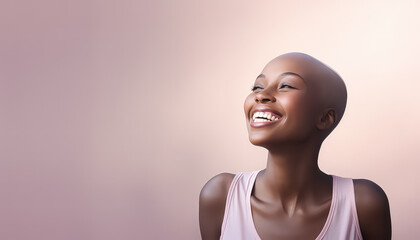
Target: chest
{"x": 272, "y": 222}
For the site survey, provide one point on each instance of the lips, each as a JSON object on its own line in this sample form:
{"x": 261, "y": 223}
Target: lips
{"x": 264, "y": 117}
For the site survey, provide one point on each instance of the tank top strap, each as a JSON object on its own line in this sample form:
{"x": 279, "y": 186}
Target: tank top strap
{"x": 344, "y": 223}
{"x": 236, "y": 220}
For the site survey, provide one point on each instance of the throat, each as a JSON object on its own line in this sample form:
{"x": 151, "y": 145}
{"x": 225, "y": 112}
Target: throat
{"x": 292, "y": 194}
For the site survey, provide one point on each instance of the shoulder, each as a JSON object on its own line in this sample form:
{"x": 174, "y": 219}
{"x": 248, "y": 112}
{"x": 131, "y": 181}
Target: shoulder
{"x": 372, "y": 209}
{"x": 217, "y": 187}
{"x": 212, "y": 205}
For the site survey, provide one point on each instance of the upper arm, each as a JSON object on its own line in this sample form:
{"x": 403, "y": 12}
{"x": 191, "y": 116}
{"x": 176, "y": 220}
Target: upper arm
{"x": 372, "y": 210}
{"x": 212, "y": 205}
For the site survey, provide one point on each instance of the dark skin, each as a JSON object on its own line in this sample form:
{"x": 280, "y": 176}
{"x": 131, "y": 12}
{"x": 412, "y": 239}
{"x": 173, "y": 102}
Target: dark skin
{"x": 291, "y": 197}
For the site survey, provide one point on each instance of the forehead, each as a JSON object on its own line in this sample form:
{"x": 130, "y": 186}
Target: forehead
{"x": 300, "y": 65}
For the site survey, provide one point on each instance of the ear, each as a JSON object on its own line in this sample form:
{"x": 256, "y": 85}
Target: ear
{"x": 327, "y": 119}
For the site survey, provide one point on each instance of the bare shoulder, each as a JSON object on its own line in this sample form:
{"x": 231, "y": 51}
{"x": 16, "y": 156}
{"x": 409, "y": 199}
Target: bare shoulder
{"x": 372, "y": 209}
{"x": 216, "y": 188}
{"x": 212, "y": 205}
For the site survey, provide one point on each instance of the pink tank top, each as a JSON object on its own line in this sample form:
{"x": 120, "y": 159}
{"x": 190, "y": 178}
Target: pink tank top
{"x": 342, "y": 221}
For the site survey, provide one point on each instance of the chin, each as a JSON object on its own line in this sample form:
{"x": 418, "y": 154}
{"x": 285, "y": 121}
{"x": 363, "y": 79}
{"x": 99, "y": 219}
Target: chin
{"x": 276, "y": 142}
{"x": 261, "y": 141}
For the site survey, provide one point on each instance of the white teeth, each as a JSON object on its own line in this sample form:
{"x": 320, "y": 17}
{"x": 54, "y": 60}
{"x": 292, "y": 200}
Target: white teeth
{"x": 263, "y": 117}
{"x": 260, "y": 120}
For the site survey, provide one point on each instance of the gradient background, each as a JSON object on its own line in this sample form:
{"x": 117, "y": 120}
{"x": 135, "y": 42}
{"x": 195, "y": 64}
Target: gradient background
{"x": 113, "y": 114}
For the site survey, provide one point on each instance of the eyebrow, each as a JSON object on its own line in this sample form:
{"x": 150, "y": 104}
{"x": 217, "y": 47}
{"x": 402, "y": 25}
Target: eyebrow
{"x": 283, "y": 74}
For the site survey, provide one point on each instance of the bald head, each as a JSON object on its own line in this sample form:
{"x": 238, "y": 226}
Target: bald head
{"x": 324, "y": 83}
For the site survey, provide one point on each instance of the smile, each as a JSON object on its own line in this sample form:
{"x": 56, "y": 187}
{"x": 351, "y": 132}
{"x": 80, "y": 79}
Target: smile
{"x": 264, "y": 117}
{"x": 260, "y": 119}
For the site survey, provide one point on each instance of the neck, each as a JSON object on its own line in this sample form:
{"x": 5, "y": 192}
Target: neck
{"x": 292, "y": 174}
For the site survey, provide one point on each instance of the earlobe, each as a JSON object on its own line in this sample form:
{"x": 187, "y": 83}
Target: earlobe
{"x": 328, "y": 119}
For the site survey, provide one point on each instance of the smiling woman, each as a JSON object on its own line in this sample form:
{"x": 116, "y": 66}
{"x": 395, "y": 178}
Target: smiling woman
{"x": 294, "y": 105}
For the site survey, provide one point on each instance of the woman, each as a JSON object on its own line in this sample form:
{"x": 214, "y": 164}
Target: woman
{"x": 294, "y": 105}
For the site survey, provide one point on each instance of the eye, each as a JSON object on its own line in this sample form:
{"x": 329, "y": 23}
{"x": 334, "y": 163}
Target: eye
{"x": 284, "y": 85}
{"x": 255, "y": 88}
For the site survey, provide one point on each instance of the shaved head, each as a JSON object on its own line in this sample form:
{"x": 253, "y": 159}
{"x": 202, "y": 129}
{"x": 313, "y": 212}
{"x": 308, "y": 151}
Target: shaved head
{"x": 325, "y": 84}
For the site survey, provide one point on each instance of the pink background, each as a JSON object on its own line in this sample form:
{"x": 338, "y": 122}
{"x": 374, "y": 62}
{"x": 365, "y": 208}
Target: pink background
{"x": 113, "y": 114}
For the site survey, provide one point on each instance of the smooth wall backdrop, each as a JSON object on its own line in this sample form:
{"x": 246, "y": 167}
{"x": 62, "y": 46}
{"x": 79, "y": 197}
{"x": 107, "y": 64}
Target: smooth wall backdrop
{"x": 113, "y": 114}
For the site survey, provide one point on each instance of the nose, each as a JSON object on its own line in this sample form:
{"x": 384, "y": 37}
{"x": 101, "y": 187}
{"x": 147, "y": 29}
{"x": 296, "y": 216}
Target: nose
{"x": 264, "y": 97}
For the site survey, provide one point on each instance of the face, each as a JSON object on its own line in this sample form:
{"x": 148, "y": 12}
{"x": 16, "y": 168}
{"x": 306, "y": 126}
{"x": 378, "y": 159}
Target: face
{"x": 282, "y": 106}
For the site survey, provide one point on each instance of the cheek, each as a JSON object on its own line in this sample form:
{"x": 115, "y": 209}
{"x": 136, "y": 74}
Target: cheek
{"x": 300, "y": 109}
{"x": 295, "y": 104}
{"x": 248, "y": 103}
